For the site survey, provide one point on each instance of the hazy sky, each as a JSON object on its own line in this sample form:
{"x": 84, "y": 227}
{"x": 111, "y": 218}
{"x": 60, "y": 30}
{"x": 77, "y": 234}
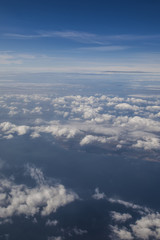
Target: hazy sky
{"x": 78, "y": 36}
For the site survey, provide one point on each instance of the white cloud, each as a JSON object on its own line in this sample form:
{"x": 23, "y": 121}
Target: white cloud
{"x": 130, "y": 205}
{"x": 37, "y": 110}
{"x": 10, "y": 128}
{"x": 97, "y": 195}
{"x": 120, "y": 217}
{"x": 153, "y": 108}
{"x": 148, "y": 143}
{"x": 147, "y": 227}
{"x": 43, "y": 199}
{"x": 92, "y": 139}
{"x": 58, "y": 130}
{"x": 51, "y": 223}
{"x": 121, "y": 233}
{"x": 126, "y": 106}
{"x": 35, "y": 135}
{"x": 136, "y": 100}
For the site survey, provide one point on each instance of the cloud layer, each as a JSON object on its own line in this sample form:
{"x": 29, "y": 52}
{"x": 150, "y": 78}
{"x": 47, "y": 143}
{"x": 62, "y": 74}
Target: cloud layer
{"x": 110, "y": 122}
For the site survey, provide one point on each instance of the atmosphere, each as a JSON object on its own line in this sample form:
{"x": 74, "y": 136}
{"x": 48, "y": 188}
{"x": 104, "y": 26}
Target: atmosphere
{"x": 79, "y": 120}
{"x": 80, "y": 35}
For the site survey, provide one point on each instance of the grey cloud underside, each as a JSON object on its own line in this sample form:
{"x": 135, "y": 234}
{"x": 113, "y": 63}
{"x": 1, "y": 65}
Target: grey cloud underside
{"x": 99, "y": 119}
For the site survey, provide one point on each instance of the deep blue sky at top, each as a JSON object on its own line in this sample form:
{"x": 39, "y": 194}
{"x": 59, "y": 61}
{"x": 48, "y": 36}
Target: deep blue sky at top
{"x": 100, "y": 16}
{"x": 103, "y": 30}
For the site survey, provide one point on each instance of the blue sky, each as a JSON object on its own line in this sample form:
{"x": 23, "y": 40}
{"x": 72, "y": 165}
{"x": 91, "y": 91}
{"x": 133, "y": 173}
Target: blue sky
{"x": 79, "y": 36}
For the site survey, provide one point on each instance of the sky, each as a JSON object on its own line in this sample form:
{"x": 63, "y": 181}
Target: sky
{"x": 79, "y": 36}
{"x": 79, "y": 120}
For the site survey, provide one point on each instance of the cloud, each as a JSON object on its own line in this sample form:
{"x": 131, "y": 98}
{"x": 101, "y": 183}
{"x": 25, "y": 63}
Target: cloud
{"x": 130, "y": 205}
{"x": 37, "y": 110}
{"x": 6, "y": 59}
{"x": 79, "y": 231}
{"x": 126, "y": 106}
{"x": 58, "y": 130}
{"x": 10, "y": 128}
{"x": 42, "y": 199}
{"x": 36, "y": 174}
{"x": 121, "y": 233}
{"x": 120, "y": 217}
{"x": 112, "y": 122}
{"x": 147, "y": 227}
{"x": 97, "y": 195}
{"x": 139, "y": 223}
{"x": 148, "y": 143}
{"x": 104, "y": 48}
{"x": 51, "y": 223}
{"x": 83, "y": 37}
{"x": 92, "y": 139}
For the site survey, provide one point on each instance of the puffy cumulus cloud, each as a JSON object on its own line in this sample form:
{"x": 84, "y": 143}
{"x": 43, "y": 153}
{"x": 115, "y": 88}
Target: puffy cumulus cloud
{"x": 67, "y": 131}
{"x": 148, "y": 143}
{"x": 91, "y": 139}
{"x": 153, "y": 108}
{"x": 97, "y": 195}
{"x": 37, "y": 110}
{"x": 145, "y": 124}
{"x": 51, "y": 223}
{"x": 35, "y": 135}
{"x": 102, "y": 118}
{"x": 42, "y": 199}
{"x": 120, "y": 217}
{"x": 147, "y": 227}
{"x": 136, "y": 100}
{"x": 121, "y": 233}
{"x": 126, "y": 106}
{"x": 9, "y": 128}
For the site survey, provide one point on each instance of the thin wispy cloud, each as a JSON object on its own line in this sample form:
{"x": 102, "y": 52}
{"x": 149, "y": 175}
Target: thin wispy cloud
{"x": 104, "y": 48}
{"x": 83, "y": 37}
